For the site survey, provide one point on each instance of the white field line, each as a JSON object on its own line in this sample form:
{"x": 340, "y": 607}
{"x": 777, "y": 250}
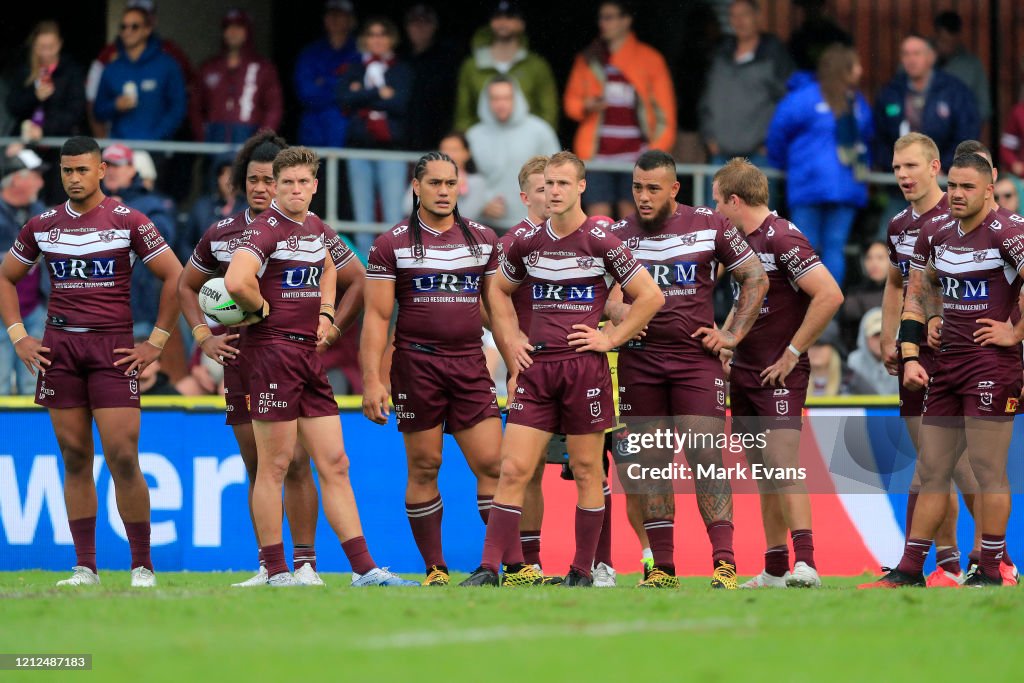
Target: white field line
{"x": 487, "y": 634}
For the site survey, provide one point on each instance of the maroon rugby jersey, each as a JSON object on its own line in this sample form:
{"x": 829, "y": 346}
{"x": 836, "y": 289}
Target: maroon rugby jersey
{"x": 90, "y": 258}
{"x": 568, "y": 279}
{"x": 438, "y": 290}
{"x": 904, "y": 229}
{"x": 213, "y": 253}
{"x": 786, "y": 256}
{"x": 521, "y": 299}
{"x": 683, "y": 257}
{"x": 979, "y": 276}
{"x": 292, "y": 255}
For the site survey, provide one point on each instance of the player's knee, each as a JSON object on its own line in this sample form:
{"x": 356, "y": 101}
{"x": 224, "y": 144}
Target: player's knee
{"x": 77, "y": 460}
{"x": 989, "y": 475}
{"x": 334, "y": 467}
{"x": 123, "y": 464}
{"x": 299, "y": 469}
{"x": 586, "y": 473}
{"x": 515, "y": 472}
{"x": 423, "y": 468}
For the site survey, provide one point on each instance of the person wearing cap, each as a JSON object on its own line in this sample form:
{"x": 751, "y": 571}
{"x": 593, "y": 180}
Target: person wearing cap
{"x": 123, "y": 183}
{"x": 21, "y": 183}
{"x": 142, "y": 92}
{"x": 867, "y": 371}
{"x": 501, "y": 48}
{"x": 109, "y": 53}
{"x": 435, "y": 66}
{"x": 221, "y": 200}
{"x": 238, "y": 91}
{"x": 318, "y": 70}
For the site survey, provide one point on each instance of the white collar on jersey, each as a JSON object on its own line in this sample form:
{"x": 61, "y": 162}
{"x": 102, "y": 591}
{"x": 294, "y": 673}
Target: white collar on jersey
{"x": 71, "y": 212}
{"x": 248, "y": 215}
{"x": 275, "y": 207}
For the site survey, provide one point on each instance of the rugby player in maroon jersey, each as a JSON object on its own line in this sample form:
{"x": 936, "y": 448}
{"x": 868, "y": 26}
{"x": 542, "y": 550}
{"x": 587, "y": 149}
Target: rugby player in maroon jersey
{"x": 560, "y": 377}
{"x": 253, "y": 171}
{"x": 433, "y": 265}
{"x": 671, "y": 378}
{"x": 916, "y": 167}
{"x": 969, "y": 272}
{"x": 769, "y": 368}
{"x": 87, "y": 361}
{"x": 284, "y": 271}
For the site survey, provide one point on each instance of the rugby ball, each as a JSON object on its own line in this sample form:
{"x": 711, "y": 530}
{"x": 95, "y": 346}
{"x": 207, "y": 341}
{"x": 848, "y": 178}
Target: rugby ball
{"x": 217, "y": 304}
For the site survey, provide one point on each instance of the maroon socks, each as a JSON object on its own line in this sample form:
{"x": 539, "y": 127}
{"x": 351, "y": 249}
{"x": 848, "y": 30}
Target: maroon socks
{"x": 661, "y": 535}
{"x": 138, "y": 542}
{"x": 589, "y": 523}
{"x": 720, "y": 534}
{"x": 358, "y": 555}
{"x": 83, "y": 532}
{"x": 425, "y": 521}
{"x": 502, "y": 540}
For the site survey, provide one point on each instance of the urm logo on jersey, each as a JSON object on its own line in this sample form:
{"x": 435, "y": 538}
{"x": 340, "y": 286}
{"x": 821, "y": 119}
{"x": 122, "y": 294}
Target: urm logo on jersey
{"x": 446, "y": 282}
{"x": 964, "y": 289}
{"x": 302, "y": 277}
{"x": 669, "y": 274}
{"x": 83, "y": 269}
{"x": 546, "y": 291}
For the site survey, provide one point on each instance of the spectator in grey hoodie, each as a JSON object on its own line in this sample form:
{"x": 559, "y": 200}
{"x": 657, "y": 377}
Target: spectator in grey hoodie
{"x": 507, "y": 135}
{"x": 867, "y": 371}
{"x": 747, "y": 79}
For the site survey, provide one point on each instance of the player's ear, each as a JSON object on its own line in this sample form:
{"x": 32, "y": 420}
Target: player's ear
{"x": 103, "y": 169}
{"x": 675, "y": 189}
{"x": 315, "y": 184}
{"x": 583, "y": 185}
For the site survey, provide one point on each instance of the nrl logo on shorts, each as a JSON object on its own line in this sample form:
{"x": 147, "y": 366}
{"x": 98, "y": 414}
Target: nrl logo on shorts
{"x": 986, "y": 399}
{"x": 54, "y": 235}
{"x": 595, "y": 409}
{"x": 533, "y": 258}
{"x": 133, "y": 386}
{"x": 293, "y": 243}
{"x": 585, "y": 262}
{"x": 782, "y": 407}
{"x": 107, "y": 236}
{"x": 688, "y": 240}
{"x": 633, "y": 243}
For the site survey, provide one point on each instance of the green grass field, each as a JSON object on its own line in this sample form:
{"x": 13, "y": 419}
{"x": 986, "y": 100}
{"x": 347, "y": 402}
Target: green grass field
{"x": 194, "y": 627}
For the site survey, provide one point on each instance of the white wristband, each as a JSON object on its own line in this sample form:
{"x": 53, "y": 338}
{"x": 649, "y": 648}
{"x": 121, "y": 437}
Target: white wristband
{"x": 795, "y": 351}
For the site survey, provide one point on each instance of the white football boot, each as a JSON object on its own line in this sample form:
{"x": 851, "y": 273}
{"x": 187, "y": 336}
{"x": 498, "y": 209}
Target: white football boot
{"x": 282, "y": 579}
{"x": 307, "y": 576}
{"x": 766, "y": 580}
{"x": 257, "y": 579}
{"x": 81, "y": 576}
{"x": 603, "y": 575}
{"x": 803, "y": 576}
{"x": 143, "y": 578}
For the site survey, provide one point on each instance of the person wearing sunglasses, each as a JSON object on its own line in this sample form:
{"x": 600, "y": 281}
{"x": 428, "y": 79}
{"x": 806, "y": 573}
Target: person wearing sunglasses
{"x": 142, "y": 91}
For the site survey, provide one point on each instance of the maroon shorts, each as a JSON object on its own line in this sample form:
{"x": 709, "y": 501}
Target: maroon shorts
{"x": 287, "y": 381}
{"x": 663, "y": 384}
{"x": 974, "y": 384}
{"x": 82, "y": 372}
{"x": 236, "y": 391}
{"x": 912, "y": 402}
{"x": 781, "y": 407}
{"x": 572, "y": 396}
{"x": 429, "y": 390}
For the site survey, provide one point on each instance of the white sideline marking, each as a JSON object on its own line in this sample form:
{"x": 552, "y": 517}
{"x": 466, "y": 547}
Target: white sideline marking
{"x": 488, "y": 634}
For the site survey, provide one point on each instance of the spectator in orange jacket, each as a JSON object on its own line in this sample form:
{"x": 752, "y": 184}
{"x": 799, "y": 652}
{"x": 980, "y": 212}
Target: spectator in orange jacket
{"x": 620, "y": 91}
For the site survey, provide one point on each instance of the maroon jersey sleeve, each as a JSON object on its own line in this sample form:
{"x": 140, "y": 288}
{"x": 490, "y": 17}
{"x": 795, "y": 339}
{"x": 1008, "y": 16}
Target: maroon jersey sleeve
{"x": 494, "y": 260}
{"x": 1011, "y": 246}
{"x": 730, "y": 247}
{"x": 202, "y": 258}
{"x": 259, "y": 241}
{"x": 25, "y": 247}
{"x": 618, "y": 259}
{"x": 794, "y": 253}
{"x": 336, "y": 247}
{"x": 513, "y": 266}
{"x": 382, "y": 264}
{"x": 146, "y": 240}
{"x": 922, "y": 250}
{"x": 891, "y": 237}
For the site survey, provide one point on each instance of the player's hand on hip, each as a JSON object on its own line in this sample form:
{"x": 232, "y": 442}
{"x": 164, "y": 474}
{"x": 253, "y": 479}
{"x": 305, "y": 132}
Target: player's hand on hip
{"x": 31, "y": 352}
{"x": 375, "y": 403}
{"x": 935, "y": 332}
{"x": 521, "y": 353}
{"x": 137, "y": 358}
{"x": 714, "y": 339}
{"x": 915, "y": 377}
{"x": 995, "y": 333}
{"x": 588, "y": 339}
{"x": 725, "y": 358}
{"x": 775, "y": 374}
{"x": 218, "y": 347}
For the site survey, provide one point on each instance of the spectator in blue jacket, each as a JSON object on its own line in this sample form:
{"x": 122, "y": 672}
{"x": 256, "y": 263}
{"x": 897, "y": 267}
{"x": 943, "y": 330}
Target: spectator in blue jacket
{"x": 375, "y": 95}
{"x": 820, "y": 135}
{"x": 142, "y": 92}
{"x": 123, "y": 183}
{"x": 318, "y": 70}
{"x": 923, "y": 99}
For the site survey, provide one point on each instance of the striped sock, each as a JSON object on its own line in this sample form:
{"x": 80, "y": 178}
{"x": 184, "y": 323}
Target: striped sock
{"x": 914, "y": 553}
{"x": 531, "y": 546}
{"x": 259, "y": 554}
{"x": 948, "y": 557}
{"x": 720, "y": 534}
{"x": 992, "y": 548}
{"x": 304, "y": 554}
{"x": 425, "y": 521}
{"x": 484, "y": 505}
{"x": 589, "y": 522}
{"x": 502, "y": 539}
{"x": 803, "y": 546}
{"x": 776, "y": 560}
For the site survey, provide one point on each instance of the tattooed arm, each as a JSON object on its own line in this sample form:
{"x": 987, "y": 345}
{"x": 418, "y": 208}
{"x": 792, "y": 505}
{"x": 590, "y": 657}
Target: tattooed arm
{"x": 921, "y": 303}
{"x": 753, "y": 283}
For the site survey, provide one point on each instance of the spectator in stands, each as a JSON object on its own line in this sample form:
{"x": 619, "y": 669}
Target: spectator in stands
{"x": 866, "y": 294}
{"x": 507, "y": 135}
{"x": 954, "y": 59}
{"x": 1011, "y": 143}
{"x": 20, "y": 185}
{"x": 747, "y": 80}
{"x": 472, "y": 186}
{"x": 867, "y": 371}
{"x": 826, "y": 359}
{"x": 238, "y": 91}
{"x": 620, "y": 91}
{"x": 122, "y": 182}
{"x": 1008, "y": 193}
{"x": 142, "y": 91}
{"x": 47, "y": 96}
{"x": 501, "y": 48}
{"x": 434, "y": 68}
{"x": 220, "y": 201}
{"x": 376, "y": 95}
{"x": 318, "y": 70}
{"x": 922, "y": 99}
{"x": 109, "y": 53}
{"x": 820, "y": 135}
{"x": 815, "y": 32}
